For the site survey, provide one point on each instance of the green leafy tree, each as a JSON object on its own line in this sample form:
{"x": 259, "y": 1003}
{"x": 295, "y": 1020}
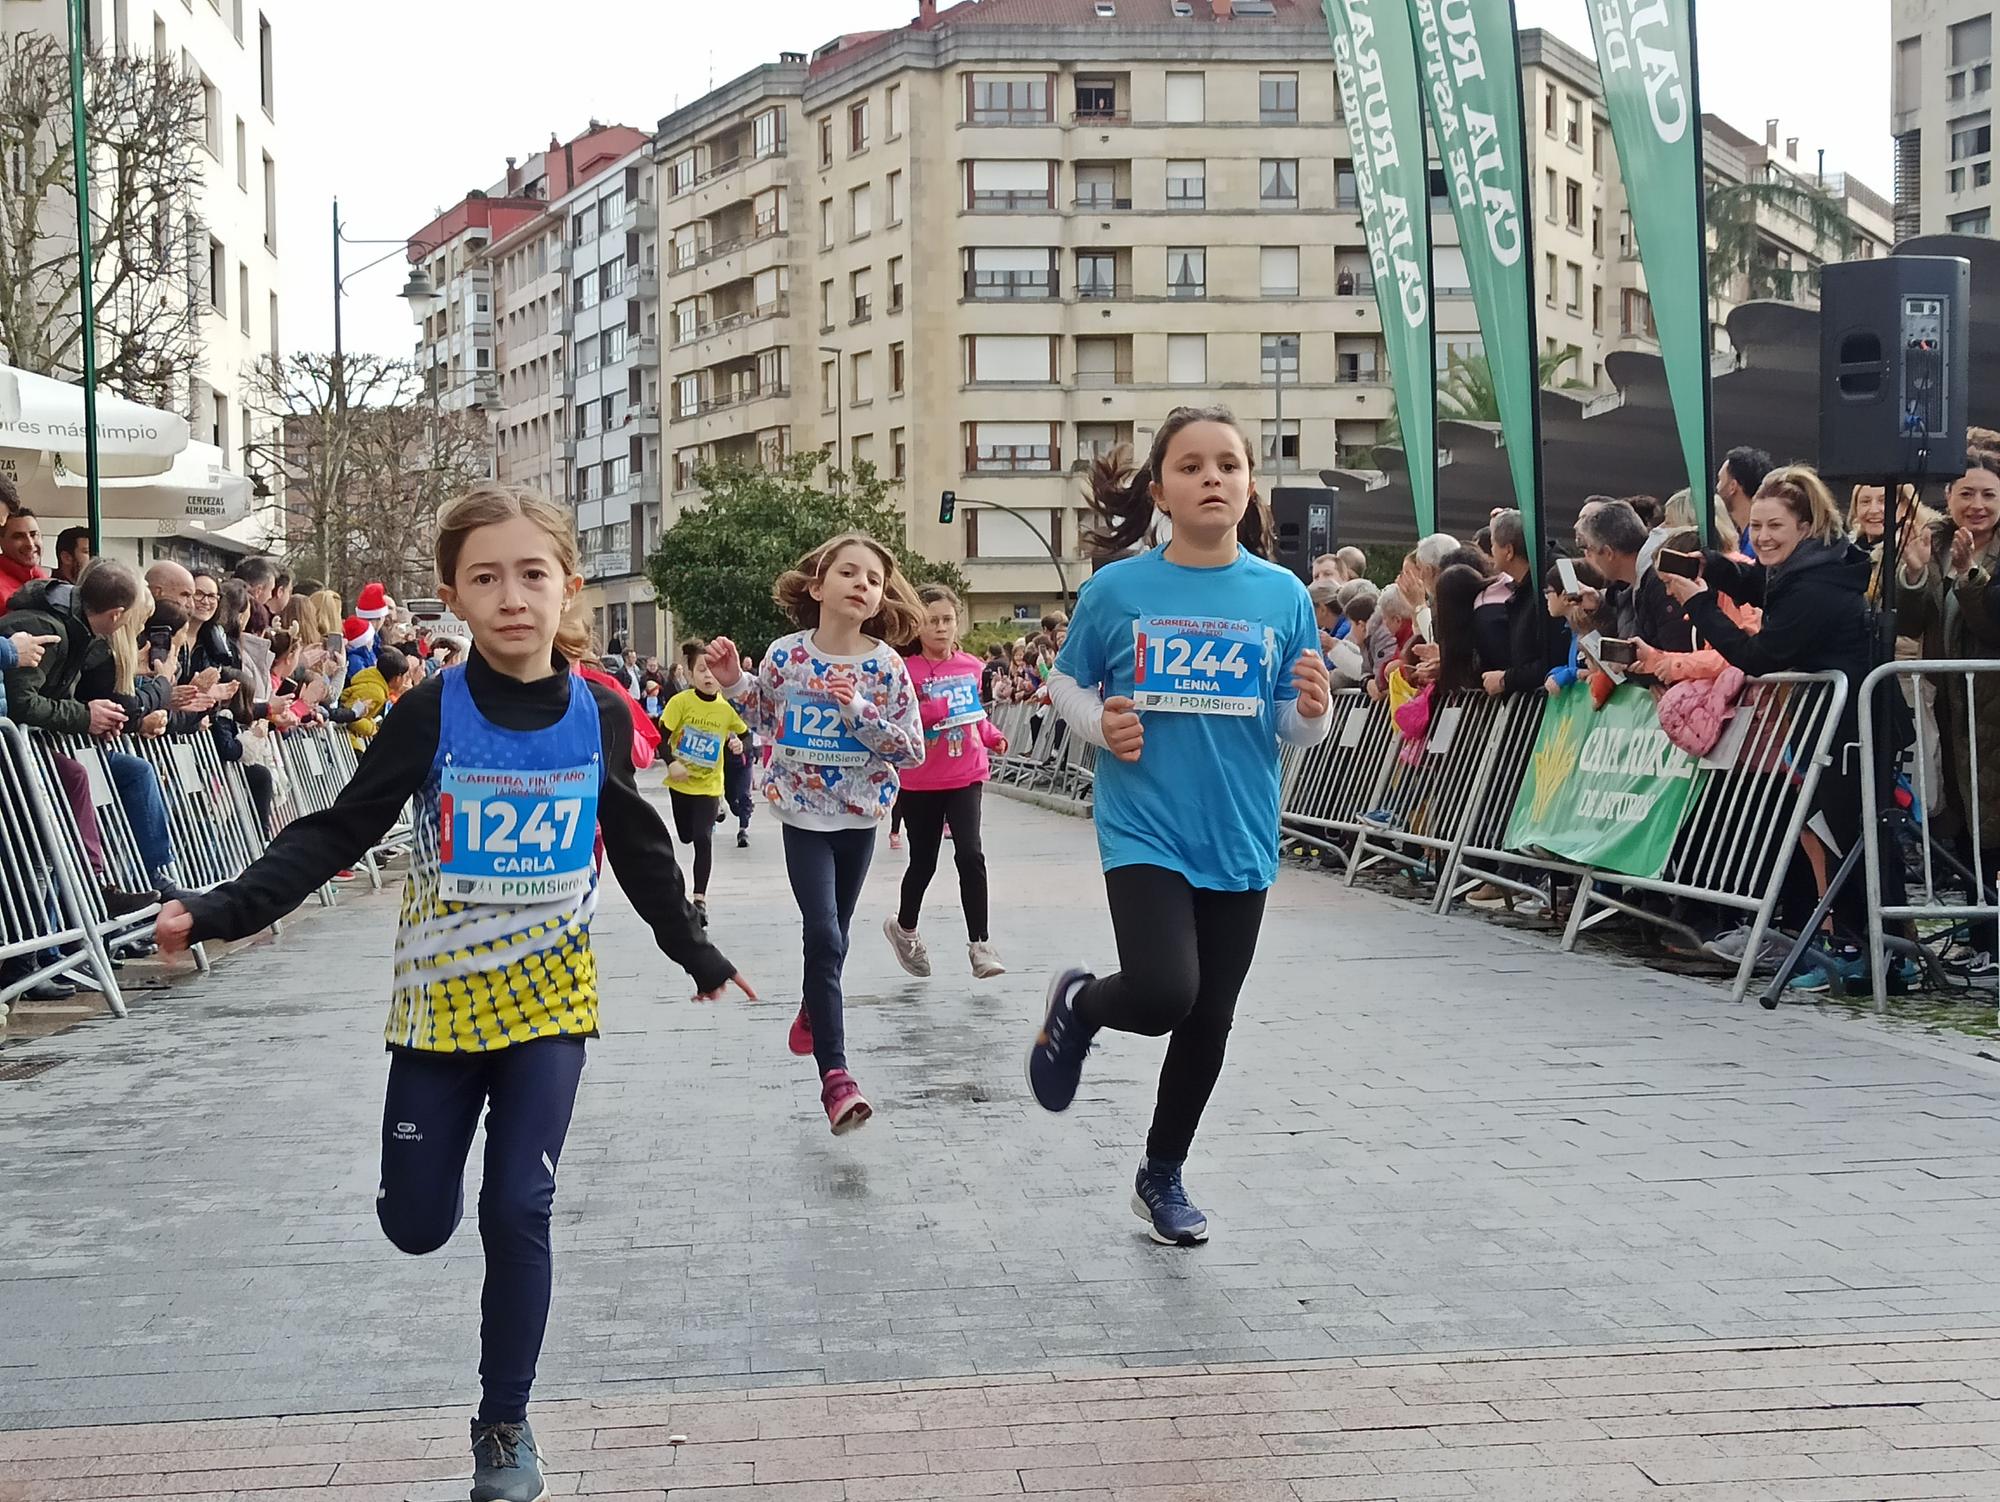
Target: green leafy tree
{"x": 716, "y": 564}
{"x": 1744, "y": 261}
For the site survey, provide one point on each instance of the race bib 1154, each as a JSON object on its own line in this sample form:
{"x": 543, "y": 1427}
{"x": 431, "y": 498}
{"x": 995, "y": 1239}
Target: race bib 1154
{"x": 1197, "y": 665}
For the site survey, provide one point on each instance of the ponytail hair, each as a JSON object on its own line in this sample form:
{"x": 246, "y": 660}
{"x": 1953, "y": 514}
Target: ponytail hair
{"x": 1122, "y": 496}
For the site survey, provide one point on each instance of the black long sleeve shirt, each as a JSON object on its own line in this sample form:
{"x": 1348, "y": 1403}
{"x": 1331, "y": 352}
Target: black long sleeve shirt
{"x": 311, "y": 849}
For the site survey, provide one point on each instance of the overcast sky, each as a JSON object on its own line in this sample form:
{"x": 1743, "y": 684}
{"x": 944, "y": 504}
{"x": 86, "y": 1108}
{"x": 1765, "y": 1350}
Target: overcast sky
{"x": 400, "y": 107}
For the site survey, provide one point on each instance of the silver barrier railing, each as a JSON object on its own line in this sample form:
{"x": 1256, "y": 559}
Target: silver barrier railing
{"x": 47, "y": 900}
{"x": 1483, "y": 834}
{"x": 1326, "y": 789}
{"x": 1963, "y": 891}
{"x": 1423, "y": 804}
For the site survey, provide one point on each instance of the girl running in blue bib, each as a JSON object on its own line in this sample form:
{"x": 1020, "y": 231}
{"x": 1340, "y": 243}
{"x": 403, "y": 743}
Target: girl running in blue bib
{"x": 836, "y": 704}
{"x": 1188, "y": 663}
{"x": 515, "y": 765}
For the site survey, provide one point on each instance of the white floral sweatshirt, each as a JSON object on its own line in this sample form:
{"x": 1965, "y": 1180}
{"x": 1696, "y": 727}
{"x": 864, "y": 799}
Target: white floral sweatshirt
{"x": 833, "y": 765}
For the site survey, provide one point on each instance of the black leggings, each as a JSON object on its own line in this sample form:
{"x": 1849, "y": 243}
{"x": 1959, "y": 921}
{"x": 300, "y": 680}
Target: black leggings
{"x": 694, "y": 822}
{"x": 1184, "y": 952}
{"x": 927, "y": 814}
{"x": 428, "y": 1118}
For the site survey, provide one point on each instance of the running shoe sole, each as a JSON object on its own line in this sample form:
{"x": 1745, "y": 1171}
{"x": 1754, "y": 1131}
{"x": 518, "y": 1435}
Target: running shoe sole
{"x": 890, "y": 928}
{"x": 1193, "y": 1238}
{"x": 858, "y": 1114}
{"x": 1063, "y": 981}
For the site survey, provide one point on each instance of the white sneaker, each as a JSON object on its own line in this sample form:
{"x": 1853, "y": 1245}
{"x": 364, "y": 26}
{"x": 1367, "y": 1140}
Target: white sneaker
{"x": 910, "y": 951}
{"x": 985, "y": 961}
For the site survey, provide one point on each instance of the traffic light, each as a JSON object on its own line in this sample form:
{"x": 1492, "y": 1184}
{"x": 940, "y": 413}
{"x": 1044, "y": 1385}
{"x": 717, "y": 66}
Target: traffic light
{"x": 947, "y": 507}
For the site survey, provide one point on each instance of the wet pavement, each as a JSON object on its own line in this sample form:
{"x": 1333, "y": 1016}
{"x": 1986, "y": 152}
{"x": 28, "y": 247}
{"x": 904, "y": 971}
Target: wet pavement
{"x": 1432, "y": 1137}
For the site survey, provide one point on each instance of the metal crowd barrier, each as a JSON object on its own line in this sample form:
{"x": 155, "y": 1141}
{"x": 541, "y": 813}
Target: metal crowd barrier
{"x": 1043, "y": 754}
{"x": 1450, "y": 811}
{"x": 1943, "y": 886}
{"x": 52, "y": 903}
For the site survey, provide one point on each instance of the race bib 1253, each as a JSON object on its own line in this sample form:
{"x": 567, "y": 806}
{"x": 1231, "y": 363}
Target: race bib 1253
{"x": 961, "y": 696}
{"x": 516, "y": 836}
{"x": 1197, "y": 665}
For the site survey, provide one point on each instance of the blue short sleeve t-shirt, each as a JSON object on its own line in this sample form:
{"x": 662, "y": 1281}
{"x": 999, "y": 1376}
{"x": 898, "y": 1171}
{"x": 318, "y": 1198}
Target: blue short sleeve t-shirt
{"x": 1207, "y": 653}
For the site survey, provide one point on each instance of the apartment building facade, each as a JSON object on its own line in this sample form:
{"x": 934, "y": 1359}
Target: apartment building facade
{"x": 1941, "y": 113}
{"x": 231, "y": 46}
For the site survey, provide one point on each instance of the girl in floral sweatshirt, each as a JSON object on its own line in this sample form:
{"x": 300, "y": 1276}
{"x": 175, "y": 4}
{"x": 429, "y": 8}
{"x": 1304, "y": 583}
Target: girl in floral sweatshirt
{"x": 836, "y": 704}
{"x": 944, "y": 791}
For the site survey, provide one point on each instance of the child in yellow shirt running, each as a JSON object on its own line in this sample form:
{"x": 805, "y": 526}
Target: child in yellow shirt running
{"x": 699, "y": 724}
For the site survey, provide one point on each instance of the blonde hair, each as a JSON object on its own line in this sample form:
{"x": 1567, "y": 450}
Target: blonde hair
{"x": 124, "y": 642}
{"x": 901, "y": 615}
{"x": 1906, "y": 503}
{"x": 488, "y": 505}
{"x": 1679, "y": 514}
{"x": 1805, "y": 495}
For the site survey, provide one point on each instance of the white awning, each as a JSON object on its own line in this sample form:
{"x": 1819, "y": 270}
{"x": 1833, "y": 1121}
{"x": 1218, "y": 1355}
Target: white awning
{"x": 41, "y": 415}
{"x": 197, "y": 484}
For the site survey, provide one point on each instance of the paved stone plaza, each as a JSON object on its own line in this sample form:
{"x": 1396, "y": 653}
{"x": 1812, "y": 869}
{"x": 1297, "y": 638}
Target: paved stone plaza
{"x": 1489, "y": 1221}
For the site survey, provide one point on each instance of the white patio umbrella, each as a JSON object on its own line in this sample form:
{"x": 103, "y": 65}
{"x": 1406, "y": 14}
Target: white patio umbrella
{"x": 41, "y": 426}
{"x": 196, "y": 483}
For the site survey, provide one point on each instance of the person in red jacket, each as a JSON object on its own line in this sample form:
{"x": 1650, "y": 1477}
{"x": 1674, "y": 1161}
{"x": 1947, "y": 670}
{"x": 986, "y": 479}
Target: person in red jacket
{"x": 20, "y": 553}
{"x": 944, "y": 791}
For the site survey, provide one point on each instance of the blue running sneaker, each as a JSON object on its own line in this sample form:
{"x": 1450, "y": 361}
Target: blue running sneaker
{"x": 506, "y": 1466}
{"x": 1157, "y": 1196}
{"x": 1850, "y": 970}
{"x": 1055, "y": 1063}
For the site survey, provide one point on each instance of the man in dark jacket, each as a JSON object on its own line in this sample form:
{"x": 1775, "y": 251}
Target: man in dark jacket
{"x": 1536, "y": 644}
{"x": 1612, "y": 536}
{"x": 44, "y": 696}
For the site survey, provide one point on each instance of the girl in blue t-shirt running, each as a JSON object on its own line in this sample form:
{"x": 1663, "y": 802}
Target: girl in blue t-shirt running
{"x": 1187, "y": 663}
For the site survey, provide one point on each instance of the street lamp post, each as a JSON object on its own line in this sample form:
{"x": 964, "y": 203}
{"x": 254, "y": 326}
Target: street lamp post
{"x": 839, "y": 465}
{"x": 86, "y": 294}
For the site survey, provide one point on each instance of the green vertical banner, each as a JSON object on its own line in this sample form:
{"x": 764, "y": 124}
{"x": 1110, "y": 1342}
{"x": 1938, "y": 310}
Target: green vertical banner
{"x": 1471, "y": 65}
{"x": 1375, "y": 60}
{"x": 1645, "y": 53}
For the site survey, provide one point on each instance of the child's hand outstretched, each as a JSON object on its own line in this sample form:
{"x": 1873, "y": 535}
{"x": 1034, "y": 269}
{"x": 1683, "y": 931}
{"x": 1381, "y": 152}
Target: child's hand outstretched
{"x": 735, "y": 980}
{"x": 173, "y": 928}
{"x": 724, "y": 661}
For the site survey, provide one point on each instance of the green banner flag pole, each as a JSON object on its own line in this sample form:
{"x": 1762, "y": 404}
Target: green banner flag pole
{"x": 1646, "y": 56}
{"x": 86, "y": 278}
{"x": 1469, "y": 52}
{"x": 1375, "y": 62}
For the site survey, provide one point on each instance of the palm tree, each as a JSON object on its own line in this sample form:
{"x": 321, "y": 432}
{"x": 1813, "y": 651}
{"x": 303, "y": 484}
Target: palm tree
{"x": 1739, "y": 249}
{"x": 1465, "y": 391}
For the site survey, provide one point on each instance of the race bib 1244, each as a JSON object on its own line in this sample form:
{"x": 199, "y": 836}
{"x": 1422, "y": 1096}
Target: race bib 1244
{"x": 1198, "y": 665}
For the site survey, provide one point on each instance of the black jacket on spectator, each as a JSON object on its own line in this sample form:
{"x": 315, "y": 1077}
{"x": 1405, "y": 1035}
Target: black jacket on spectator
{"x": 213, "y": 649}
{"x": 45, "y": 696}
{"x": 1647, "y": 611}
{"x": 1537, "y": 643}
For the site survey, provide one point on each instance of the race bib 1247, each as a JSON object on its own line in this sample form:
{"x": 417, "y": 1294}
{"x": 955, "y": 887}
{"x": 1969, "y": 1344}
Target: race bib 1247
{"x": 521, "y": 837}
{"x": 1198, "y": 665}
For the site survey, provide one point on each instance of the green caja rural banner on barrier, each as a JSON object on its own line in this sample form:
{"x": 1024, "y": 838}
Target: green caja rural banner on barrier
{"x": 1605, "y": 787}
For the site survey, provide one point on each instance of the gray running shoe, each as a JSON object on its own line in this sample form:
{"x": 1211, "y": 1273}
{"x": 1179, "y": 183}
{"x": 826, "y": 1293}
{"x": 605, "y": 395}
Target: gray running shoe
{"x": 506, "y": 1466}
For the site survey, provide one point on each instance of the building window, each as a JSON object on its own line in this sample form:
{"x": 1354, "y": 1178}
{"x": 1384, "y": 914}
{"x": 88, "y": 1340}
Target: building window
{"x": 267, "y": 85}
{"x": 1187, "y": 271}
{"x": 861, "y": 379}
{"x": 1010, "y": 273}
{"x": 896, "y": 370}
{"x": 243, "y": 297}
{"x": 687, "y": 396}
{"x": 860, "y": 211}
{"x": 1597, "y": 150}
{"x": 826, "y": 307}
{"x": 1184, "y": 98}
{"x": 1971, "y": 135}
{"x": 1596, "y": 309}
{"x": 893, "y": 108}
{"x": 1278, "y": 183}
{"x": 899, "y": 455}
{"x": 1549, "y": 280}
{"x": 1008, "y": 100}
{"x": 1096, "y": 99}
{"x": 687, "y": 317}
{"x": 1970, "y": 41}
{"x": 1549, "y": 108}
{"x": 685, "y": 462}
{"x": 1281, "y": 448}
{"x": 1551, "y": 204}
{"x": 1978, "y": 222}
{"x": 858, "y": 296}
{"x": 1002, "y": 186}
{"x": 1954, "y": 180}
{"x": 826, "y": 224}
{"x": 1573, "y": 203}
{"x": 242, "y": 156}
{"x": 826, "y": 141}
{"x": 895, "y": 284}
{"x": 211, "y": 110}
{"x": 1573, "y": 287}
{"x": 1573, "y": 120}
{"x": 1346, "y": 190}
{"x": 274, "y": 325}
{"x": 218, "y": 264}
{"x": 1279, "y": 354}
{"x": 767, "y": 133}
{"x": 1982, "y": 174}
{"x": 857, "y": 127}
{"x": 1187, "y": 184}
{"x": 1278, "y": 270}
{"x": 582, "y": 225}
{"x": 584, "y": 290}
{"x": 1278, "y": 98}
{"x": 1097, "y": 274}
{"x": 1636, "y": 314}
{"x": 896, "y": 204}
{"x": 1597, "y": 232}
{"x": 1187, "y": 359}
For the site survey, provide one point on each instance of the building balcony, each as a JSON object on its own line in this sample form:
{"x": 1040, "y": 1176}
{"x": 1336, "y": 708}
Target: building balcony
{"x": 641, "y": 421}
{"x": 1011, "y": 286}
{"x": 1100, "y": 117}
{"x": 1361, "y": 375}
{"x": 727, "y": 400}
{"x": 1099, "y": 203}
{"x": 648, "y": 492}
{"x": 641, "y": 215}
{"x": 1099, "y": 380}
{"x": 569, "y": 450}
{"x": 643, "y": 282}
{"x": 1012, "y": 201}
{"x": 644, "y": 350}
{"x": 1013, "y": 459}
{"x": 1103, "y": 292}
{"x": 606, "y": 563}
{"x": 558, "y": 315}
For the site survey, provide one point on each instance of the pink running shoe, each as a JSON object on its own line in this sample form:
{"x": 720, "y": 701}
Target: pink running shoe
{"x": 846, "y": 1107}
{"x": 801, "y": 1039}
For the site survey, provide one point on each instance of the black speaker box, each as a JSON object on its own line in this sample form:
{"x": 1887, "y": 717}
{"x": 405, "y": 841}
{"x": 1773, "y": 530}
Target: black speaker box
{"x": 1306, "y": 519}
{"x": 1895, "y": 337}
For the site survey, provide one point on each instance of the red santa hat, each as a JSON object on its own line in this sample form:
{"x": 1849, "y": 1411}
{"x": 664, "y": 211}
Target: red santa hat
{"x": 372, "y": 603}
{"x": 356, "y": 632}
